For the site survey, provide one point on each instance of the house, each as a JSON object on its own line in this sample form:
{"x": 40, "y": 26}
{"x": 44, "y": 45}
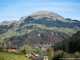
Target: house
{"x": 37, "y": 56}
{"x": 2, "y": 44}
{"x": 8, "y": 47}
{"x": 30, "y": 55}
{"x": 11, "y": 48}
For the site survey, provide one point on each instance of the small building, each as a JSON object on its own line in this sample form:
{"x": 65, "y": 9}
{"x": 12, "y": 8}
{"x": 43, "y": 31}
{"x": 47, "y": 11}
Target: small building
{"x": 2, "y": 44}
{"x": 37, "y": 56}
{"x": 30, "y": 55}
{"x": 11, "y": 48}
{"x": 8, "y": 47}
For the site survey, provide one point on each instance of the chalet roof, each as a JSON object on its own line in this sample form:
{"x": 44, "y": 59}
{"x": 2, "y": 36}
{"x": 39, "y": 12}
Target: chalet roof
{"x": 1, "y": 43}
{"x": 11, "y": 46}
{"x": 36, "y": 56}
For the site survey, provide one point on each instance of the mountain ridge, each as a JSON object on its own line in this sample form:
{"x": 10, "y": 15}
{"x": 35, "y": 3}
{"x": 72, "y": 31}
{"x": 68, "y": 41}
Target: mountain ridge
{"x": 43, "y": 14}
{"x": 38, "y": 15}
{"x": 38, "y": 28}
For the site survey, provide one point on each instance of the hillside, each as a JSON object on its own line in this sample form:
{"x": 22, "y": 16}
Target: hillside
{"x": 42, "y": 27}
{"x": 37, "y": 37}
{"x": 12, "y": 56}
{"x": 70, "y": 45}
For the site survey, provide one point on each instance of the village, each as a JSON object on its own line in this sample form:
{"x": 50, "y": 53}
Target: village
{"x": 33, "y": 56}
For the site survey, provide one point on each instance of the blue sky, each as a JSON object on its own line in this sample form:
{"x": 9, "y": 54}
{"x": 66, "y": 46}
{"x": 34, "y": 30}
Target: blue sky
{"x": 14, "y": 9}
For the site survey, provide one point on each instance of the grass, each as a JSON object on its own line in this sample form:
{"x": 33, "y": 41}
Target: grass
{"x": 1, "y": 58}
{"x": 11, "y": 56}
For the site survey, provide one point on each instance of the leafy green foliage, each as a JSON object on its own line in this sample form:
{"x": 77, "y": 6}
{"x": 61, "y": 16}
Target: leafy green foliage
{"x": 77, "y": 54}
{"x": 51, "y": 52}
{"x": 70, "y": 45}
{"x": 37, "y": 51}
{"x": 23, "y": 51}
{"x": 61, "y": 55}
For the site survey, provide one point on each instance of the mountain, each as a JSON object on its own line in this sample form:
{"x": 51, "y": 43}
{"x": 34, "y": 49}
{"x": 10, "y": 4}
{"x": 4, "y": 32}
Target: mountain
{"x": 49, "y": 19}
{"x": 42, "y": 27}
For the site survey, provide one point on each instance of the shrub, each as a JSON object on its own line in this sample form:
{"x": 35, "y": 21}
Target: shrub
{"x": 77, "y": 54}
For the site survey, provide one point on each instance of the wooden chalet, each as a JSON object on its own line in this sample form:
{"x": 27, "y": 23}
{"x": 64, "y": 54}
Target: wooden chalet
{"x": 8, "y": 47}
{"x": 2, "y": 44}
{"x": 37, "y": 56}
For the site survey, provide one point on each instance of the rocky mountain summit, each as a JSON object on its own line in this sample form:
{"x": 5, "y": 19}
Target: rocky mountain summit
{"x": 44, "y": 14}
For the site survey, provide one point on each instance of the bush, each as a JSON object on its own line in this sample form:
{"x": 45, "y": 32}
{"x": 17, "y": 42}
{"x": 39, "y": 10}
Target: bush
{"x": 77, "y": 55}
{"x": 60, "y": 54}
{"x": 23, "y": 51}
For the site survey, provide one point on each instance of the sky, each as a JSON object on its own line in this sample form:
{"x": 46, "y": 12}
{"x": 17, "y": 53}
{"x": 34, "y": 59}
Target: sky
{"x": 15, "y": 9}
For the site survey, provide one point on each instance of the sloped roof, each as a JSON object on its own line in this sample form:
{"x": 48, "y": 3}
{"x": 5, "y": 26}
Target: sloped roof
{"x": 11, "y": 46}
{"x": 37, "y": 56}
{"x": 1, "y": 43}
